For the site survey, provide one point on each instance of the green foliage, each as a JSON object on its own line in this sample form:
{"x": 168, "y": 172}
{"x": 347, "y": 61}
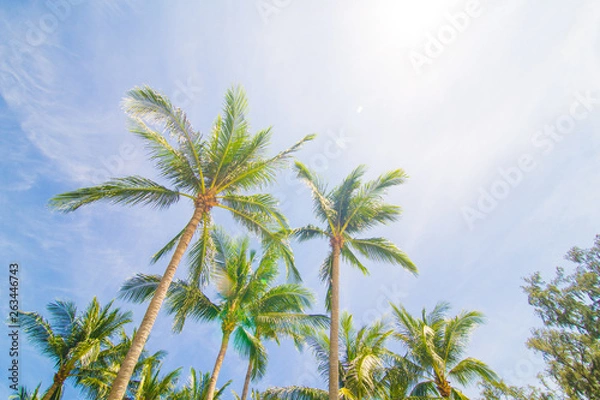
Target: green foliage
{"x": 152, "y": 385}
{"x": 569, "y": 307}
{"x": 363, "y": 360}
{"x": 24, "y": 394}
{"x": 210, "y": 171}
{"x": 502, "y": 391}
{"x": 74, "y": 341}
{"x": 248, "y": 304}
{"x": 95, "y": 382}
{"x": 435, "y": 347}
{"x": 196, "y": 388}
{"x": 350, "y": 208}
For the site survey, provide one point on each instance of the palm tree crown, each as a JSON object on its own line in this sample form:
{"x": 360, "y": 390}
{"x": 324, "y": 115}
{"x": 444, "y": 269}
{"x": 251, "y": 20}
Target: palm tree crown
{"x": 74, "y": 341}
{"x": 436, "y": 345}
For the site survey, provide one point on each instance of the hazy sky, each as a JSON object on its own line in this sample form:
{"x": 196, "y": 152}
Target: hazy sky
{"x": 492, "y": 107}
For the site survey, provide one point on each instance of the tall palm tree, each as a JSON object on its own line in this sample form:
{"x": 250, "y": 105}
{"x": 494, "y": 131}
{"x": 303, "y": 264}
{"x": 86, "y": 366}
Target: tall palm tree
{"x": 197, "y": 388}
{"x": 73, "y": 341}
{"x": 436, "y": 345}
{"x": 346, "y": 211}
{"x": 244, "y": 295}
{"x": 364, "y": 356}
{"x": 210, "y": 172}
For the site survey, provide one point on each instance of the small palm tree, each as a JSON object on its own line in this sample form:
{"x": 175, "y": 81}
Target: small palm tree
{"x": 245, "y": 295}
{"x": 197, "y": 388}
{"x": 97, "y": 379}
{"x": 211, "y": 172}
{"x": 73, "y": 341}
{"x": 436, "y": 345}
{"x": 362, "y": 368}
{"x": 153, "y": 386}
{"x": 23, "y": 394}
{"x": 348, "y": 210}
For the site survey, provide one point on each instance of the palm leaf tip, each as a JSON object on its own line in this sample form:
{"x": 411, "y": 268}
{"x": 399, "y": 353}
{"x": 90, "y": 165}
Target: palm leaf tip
{"x": 140, "y": 288}
{"x": 381, "y": 249}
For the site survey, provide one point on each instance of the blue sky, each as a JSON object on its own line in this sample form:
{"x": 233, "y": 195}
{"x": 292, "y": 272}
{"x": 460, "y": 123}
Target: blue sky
{"x": 492, "y": 108}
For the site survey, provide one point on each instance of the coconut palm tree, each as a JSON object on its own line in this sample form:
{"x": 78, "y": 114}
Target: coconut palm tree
{"x": 244, "y": 295}
{"x": 211, "y": 172}
{"x": 346, "y": 211}
{"x": 362, "y": 369}
{"x": 73, "y": 341}
{"x": 197, "y": 388}
{"x": 437, "y": 344}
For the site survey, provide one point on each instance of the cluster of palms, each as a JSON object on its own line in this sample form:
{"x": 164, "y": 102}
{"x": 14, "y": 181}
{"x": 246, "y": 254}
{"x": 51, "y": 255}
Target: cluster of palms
{"x": 368, "y": 369}
{"x": 223, "y": 170}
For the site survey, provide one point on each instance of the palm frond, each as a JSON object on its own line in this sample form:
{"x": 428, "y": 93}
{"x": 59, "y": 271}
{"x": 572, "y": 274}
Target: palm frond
{"x": 349, "y": 257}
{"x": 456, "y": 333}
{"x": 367, "y": 203}
{"x": 232, "y": 132}
{"x": 309, "y": 232}
{"x": 250, "y": 346}
{"x": 342, "y": 195}
{"x": 140, "y": 288}
{"x": 201, "y": 253}
{"x": 295, "y": 393}
{"x": 381, "y": 249}
{"x": 171, "y": 162}
{"x": 40, "y": 333}
{"x": 63, "y": 316}
{"x": 323, "y": 208}
{"x": 258, "y": 173}
{"x": 186, "y": 300}
{"x": 273, "y": 240}
{"x": 471, "y": 369}
{"x": 167, "y": 248}
{"x": 128, "y": 191}
{"x": 263, "y": 204}
{"x": 325, "y": 276}
{"x": 146, "y": 103}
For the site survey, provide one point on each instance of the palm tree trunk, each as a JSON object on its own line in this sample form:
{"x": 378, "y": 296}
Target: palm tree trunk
{"x": 335, "y": 324}
{"x": 247, "y": 381}
{"x": 51, "y": 391}
{"x": 212, "y": 384}
{"x": 119, "y": 386}
{"x": 56, "y": 385}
